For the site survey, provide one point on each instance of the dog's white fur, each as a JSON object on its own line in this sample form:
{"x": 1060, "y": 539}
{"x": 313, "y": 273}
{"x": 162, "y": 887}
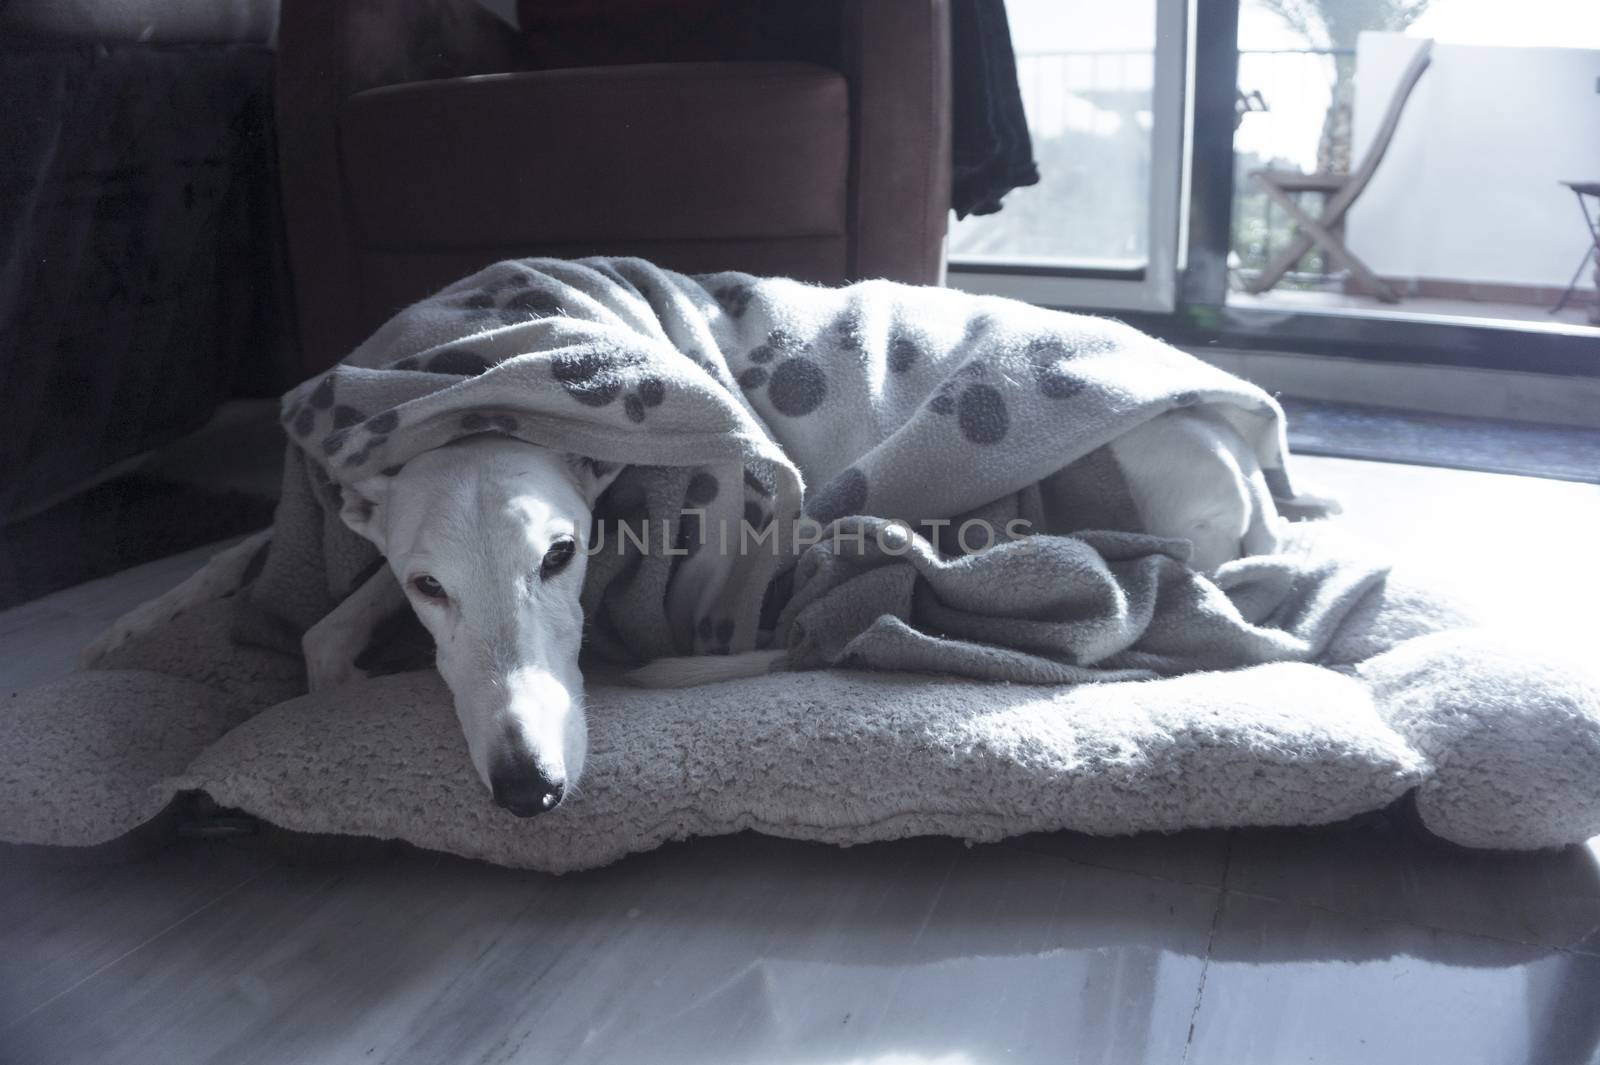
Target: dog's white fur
{"x": 486, "y": 539}
{"x": 481, "y": 517}
{"x": 1193, "y": 478}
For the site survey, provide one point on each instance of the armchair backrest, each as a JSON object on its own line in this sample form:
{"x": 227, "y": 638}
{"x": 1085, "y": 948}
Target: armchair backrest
{"x": 892, "y": 54}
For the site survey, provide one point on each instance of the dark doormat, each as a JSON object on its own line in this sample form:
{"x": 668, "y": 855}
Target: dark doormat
{"x": 125, "y": 521}
{"x": 1489, "y": 445}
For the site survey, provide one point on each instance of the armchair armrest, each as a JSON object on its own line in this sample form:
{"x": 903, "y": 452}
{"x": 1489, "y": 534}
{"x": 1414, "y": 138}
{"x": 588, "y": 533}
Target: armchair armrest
{"x": 896, "y": 55}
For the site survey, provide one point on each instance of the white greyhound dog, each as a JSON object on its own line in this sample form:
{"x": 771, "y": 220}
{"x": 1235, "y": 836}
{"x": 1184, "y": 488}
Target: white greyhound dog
{"x": 486, "y": 540}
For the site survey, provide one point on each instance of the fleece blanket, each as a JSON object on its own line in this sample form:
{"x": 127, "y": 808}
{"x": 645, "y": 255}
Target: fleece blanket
{"x": 762, "y": 420}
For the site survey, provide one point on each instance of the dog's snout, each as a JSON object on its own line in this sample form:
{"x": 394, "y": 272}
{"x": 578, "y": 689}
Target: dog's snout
{"x": 528, "y": 797}
{"x": 522, "y": 786}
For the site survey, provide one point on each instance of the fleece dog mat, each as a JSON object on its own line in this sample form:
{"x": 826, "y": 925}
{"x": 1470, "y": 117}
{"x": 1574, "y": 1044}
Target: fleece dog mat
{"x": 1497, "y": 735}
{"x": 1296, "y": 686}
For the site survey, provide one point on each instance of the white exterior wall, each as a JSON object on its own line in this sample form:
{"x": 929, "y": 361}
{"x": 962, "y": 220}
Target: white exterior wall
{"x": 1469, "y": 188}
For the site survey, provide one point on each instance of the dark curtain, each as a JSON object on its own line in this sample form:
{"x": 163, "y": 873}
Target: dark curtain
{"x": 140, "y": 277}
{"x": 990, "y": 147}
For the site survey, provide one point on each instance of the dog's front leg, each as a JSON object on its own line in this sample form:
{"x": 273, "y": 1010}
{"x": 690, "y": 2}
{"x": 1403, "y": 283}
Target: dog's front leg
{"x": 332, "y": 645}
{"x": 222, "y": 575}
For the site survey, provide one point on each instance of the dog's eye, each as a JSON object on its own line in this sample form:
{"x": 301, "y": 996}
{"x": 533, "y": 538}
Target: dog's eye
{"x": 428, "y": 587}
{"x": 558, "y": 557}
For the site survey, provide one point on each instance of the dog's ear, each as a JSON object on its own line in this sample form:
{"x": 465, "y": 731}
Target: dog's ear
{"x": 594, "y": 476}
{"x": 363, "y": 507}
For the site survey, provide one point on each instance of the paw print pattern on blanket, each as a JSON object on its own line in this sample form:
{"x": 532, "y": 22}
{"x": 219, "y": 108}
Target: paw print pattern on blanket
{"x": 377, "y": 429}
{"x": 303, "y": 417}
{"x": 703, "y": 488}
{"x": 327, "y": 486}
{"x": 347, "y": 421}
{"x": 904, "y": 353}
{"x": 345, "y": 416}
{"x": 756, "y": 483}
{"x": 758, "y": 512}
{"x": 335, "y": 441}
{"x": 384, "y": 424}
{"x": 846, "y": 494}
{"x": 299, "y": 419}
{"x": 1052, "y": 370}
{"x": 733, "y": 299}
{"x": 796, "y": 386}
{"x": 477, "y": 302}
{"x": 904, "y": 349}
{"x": 715, "y": 635}
{"x": 524, "y": 303}
{"x": 848, "y": 333}
{"x": 531, "y": 304}
{"x": 979, "y": 408}
{"x": 457, "y": 361}
{"x": 596, "y": 379}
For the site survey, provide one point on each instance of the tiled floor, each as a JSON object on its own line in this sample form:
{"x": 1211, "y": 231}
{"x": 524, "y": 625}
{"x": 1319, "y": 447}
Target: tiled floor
{"x": 1360, "y": 944}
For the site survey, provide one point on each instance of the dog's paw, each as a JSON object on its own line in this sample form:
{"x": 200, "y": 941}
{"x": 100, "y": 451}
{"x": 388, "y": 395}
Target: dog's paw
{"x": 325, "y": 671}
{"x": 117, "y": 636}
{"x": 102, "y": 645}
{"x": 691, "y": 671}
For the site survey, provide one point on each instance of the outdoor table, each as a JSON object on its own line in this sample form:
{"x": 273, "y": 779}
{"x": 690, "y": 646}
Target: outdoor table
{"x": 1582, "y": 189}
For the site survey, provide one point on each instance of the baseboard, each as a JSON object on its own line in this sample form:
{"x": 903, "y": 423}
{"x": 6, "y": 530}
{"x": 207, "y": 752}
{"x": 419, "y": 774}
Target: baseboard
{"x": 1544, "y": 399}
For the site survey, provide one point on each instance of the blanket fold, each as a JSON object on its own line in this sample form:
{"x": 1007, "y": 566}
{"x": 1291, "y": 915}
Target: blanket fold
{"x": 1062, "y": 609}
{"x": 755, "y": 415}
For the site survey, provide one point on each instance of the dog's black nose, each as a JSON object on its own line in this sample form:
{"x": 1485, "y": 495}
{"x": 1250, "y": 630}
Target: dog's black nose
{"x": 527, "y": 798}
{"x": 519, "y": 785}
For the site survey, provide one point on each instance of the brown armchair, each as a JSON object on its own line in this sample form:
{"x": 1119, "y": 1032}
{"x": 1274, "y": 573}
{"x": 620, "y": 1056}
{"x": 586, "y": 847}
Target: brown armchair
{"x": 403, "y": 168}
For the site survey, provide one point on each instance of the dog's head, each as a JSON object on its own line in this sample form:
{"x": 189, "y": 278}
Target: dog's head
{"x": 488, "y": 538}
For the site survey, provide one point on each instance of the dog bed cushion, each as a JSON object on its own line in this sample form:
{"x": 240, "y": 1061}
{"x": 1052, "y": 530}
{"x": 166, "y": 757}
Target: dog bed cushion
{"x": 1499, "y": 738}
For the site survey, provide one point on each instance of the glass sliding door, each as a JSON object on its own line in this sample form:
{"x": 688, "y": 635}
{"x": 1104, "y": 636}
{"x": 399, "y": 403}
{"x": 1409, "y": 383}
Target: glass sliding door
{"x": 1103, "y": 88}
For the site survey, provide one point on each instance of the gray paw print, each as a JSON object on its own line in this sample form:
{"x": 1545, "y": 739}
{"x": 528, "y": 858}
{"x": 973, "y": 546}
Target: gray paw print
{"x": 795, "y": 384}
{"x": 596, "y": 379}
{"x": 979, "y": 408}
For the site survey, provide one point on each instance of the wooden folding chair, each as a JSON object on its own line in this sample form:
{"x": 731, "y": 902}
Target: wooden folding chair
{"x": 1340, "y": 190}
